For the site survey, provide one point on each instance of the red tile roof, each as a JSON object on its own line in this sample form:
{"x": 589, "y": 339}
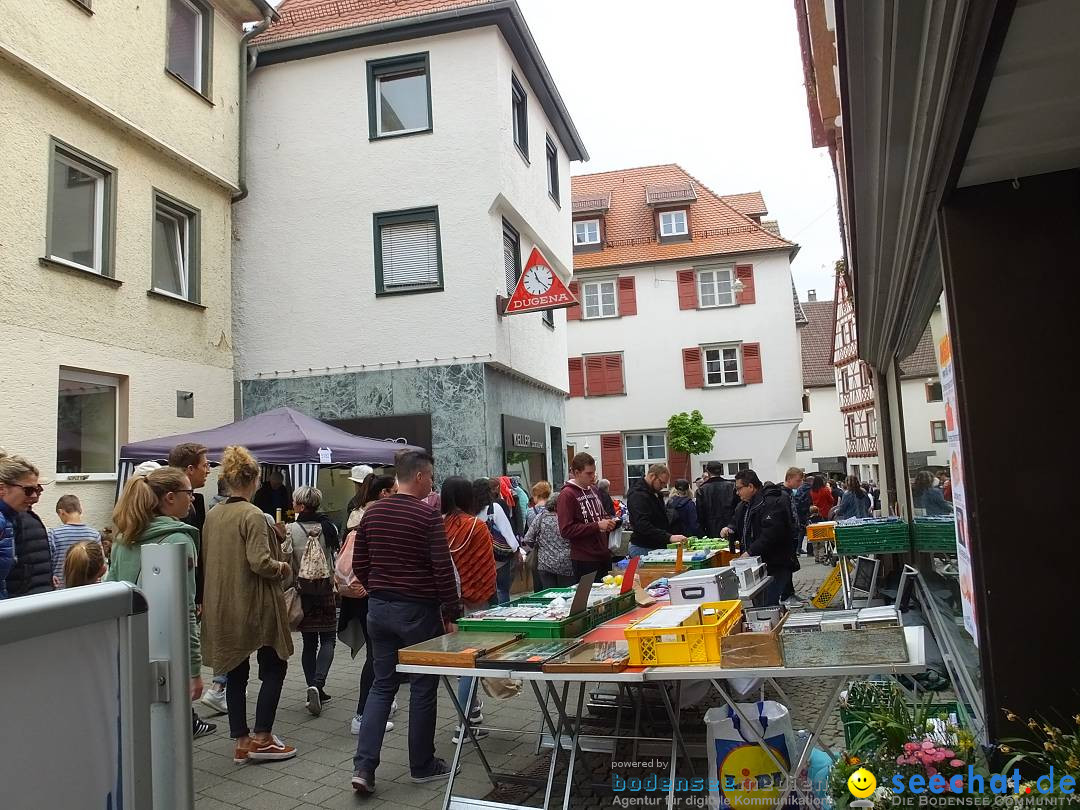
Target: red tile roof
{"x": 751, "y": 203}
{"x": 717, "y": 227}
{"x": 817, "y": 344}
{"x": 302, "y": 18}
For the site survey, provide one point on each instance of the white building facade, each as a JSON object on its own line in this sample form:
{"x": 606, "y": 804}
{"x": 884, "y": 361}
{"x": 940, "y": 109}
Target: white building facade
{"x": 118, "y": 179}
{"x": 686, "y": 304}
{"x": 401, "y": 173}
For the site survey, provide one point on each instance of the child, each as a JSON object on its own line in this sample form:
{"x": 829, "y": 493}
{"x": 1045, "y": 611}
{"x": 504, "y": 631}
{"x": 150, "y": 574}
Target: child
{"x": 84, "y": 564}
{"x": 73, "y": 530}
{"x": 821, "y": 550}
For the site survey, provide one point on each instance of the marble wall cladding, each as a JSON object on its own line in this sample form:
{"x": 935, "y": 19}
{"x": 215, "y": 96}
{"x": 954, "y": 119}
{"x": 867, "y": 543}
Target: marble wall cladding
{"x": 466, "y": 461}
{"x": 260, "y": 396}
{"x": 329, "y": 396}
{"x": 508, "y": 395}
{"x": 457, "y": 406}
{"x": 375, "y": 394}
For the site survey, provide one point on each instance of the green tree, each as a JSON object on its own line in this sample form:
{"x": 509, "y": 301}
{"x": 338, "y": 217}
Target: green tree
{"x": 688, "y": 433}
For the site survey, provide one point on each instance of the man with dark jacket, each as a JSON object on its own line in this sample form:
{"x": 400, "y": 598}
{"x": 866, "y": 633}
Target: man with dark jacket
{"x": 716, "y": 502}
{"x": 763, "y": 523}
{"x": 648, "y": 514}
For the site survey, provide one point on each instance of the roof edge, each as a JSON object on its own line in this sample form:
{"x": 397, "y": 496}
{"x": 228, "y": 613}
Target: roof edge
{"x": 673, "y": 259}
{"x": 504, "y": 14}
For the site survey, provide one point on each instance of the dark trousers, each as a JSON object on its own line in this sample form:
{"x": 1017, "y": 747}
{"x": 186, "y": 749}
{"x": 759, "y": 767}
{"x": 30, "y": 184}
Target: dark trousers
{"x": 317, "y": 656}
{"x": 391, "y": 626}
{"x": 504, "y": 578}
{"x": 583, "y": 567}
{"x": 367, "y": 674}
{"x": 546, "y": 579}
{"x": 780, "y": 587}
{"x": 272, "y": 674}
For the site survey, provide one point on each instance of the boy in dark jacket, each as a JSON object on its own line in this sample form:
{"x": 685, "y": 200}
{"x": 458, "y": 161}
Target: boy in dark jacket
{"x": 763, "y": 523}
{"x": 648, "y": 515}
{"x": 716, "y": 502}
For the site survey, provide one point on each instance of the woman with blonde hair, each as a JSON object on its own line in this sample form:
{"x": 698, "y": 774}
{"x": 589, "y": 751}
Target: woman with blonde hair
{"x": 84, "y": 564}
{"x": 244, "y": 607}
{"x": 149, "y": 512}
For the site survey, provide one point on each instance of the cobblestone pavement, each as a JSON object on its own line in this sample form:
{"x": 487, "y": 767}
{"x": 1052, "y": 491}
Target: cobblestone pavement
{"x": 319, "y": 775}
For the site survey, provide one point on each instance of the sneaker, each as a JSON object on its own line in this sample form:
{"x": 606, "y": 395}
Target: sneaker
{"x": 479, "y": 733}
{"x": 477, "y": 717}
{"x": 363, "y": 783}
{"x": 240, "y": 755}
{"x": 354, "y": 724}
{"x": 440, "y": 771}
{"x": 393, "y": 708}
{"x": 314, "y": 701}
{"x": 215, "y": 699}
{"x": 272, "y": 750}
{"x": 323, "y": 697}
{"x": 201, "y": 728}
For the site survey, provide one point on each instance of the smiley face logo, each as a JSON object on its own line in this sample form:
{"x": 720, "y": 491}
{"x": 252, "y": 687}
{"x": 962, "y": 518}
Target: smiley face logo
{"x": 862, "y": 783}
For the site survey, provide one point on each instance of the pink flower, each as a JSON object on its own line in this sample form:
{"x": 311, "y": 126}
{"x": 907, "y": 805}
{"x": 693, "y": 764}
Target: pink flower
{"x": 919, "y": 754}
{"x": 901, "y": 760}
{"x": 931, "y": 770}
{"x": 927, "y": 745}
{"x": 957, "y": 763}
{"x": 939, "y": 756}
{"x": 958, "y": 787}
{"x": 910, "y": 746}
{"x": 949, "y": 753}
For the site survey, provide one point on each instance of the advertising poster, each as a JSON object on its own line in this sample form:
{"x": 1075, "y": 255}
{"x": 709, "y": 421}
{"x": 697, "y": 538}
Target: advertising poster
{"x": 956, "y": 467}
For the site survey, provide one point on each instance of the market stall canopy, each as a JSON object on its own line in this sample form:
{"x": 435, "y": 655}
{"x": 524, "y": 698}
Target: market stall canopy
{"x": 281, "y": 437}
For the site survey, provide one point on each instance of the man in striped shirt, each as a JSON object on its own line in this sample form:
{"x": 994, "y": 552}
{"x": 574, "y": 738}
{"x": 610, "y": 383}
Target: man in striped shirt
{"x": 401, "y": 558}
{"x": 73, "y": 531}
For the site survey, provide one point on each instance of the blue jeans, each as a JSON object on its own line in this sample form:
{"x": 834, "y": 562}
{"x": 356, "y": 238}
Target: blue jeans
{"x": 391, "y": 626}
{"x": 504, "y": 575}
{"x": 637, "y": 551}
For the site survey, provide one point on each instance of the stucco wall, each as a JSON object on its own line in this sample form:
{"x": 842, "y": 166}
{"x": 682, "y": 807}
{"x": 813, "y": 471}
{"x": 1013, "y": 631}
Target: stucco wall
{"x": 826, "y": 425}
{"x": 117, "y": 57}
{"x": 305, "y": 235}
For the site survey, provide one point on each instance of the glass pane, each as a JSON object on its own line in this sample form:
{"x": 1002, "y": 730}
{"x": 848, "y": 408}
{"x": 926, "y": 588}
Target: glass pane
{"x": 86, "y": 428}
{"x": 76, "y": 202}
{"x": 168, "y": 260}
{"x": 635, "y": 471}
{"x": 580, "y": 233}
{"x": 403, "y": 103}
{"x": 185, "y": 42}
{"x": 592, "y": 311}
{"x": 656, "y": 444}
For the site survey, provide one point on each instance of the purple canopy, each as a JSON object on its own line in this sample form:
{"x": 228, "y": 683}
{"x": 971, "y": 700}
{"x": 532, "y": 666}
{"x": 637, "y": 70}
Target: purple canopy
{"x": 281, "y": 436}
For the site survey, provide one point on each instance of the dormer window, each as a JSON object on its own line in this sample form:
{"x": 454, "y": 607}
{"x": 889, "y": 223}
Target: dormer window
{"x": 586, "y": 232}
{"x": 673, "y": 223}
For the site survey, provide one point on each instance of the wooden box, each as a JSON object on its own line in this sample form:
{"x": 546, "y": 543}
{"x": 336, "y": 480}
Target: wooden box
{"x": 742, "y": 649}
{"x": 871, "y": 645}
{"x": 455, "y": 649}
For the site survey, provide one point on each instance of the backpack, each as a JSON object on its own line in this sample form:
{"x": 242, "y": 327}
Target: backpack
{"x": 344, "y": 576}
{"x": 314, "y": 575}
{"x": 499, "y": 547}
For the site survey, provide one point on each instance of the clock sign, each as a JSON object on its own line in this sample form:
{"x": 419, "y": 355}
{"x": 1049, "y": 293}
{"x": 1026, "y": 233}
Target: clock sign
{"x": 539, "y": 288}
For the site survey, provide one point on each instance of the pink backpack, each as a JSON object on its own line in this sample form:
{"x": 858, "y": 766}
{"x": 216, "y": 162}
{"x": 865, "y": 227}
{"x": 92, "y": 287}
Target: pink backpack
{"x": 344, "y": 576}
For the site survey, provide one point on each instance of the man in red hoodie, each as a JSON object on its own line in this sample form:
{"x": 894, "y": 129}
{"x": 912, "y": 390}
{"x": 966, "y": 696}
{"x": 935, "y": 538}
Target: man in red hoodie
{"x": 582, "y": 520}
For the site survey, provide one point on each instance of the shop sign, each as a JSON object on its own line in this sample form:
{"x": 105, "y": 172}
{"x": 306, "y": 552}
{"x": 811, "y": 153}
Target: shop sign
{"x": 539, "y": 288}
{"x": 527, "y": 441}
{"x": 523, "y": 435}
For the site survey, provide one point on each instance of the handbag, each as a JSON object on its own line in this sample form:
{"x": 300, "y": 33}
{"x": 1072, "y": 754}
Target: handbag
{"x": 741, "y": 773}
{"x": 294, "y": 609}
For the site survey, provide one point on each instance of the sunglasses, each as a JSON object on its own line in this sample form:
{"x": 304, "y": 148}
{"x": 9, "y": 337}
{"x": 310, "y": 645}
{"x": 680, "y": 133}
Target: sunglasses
{"x": 29, "y": 492}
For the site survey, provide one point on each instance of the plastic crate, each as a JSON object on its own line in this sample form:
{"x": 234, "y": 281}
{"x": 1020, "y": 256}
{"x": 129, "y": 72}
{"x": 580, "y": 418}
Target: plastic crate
{"x": 570, "y": 627}
{"x": 695, "y": 641}
{"x": 597, "y": 613}
{"x": 934, "y": 535}
{"x": 818, "y": 532}
{"x": 873, "y": 538}
{"x": 712, "y": 560}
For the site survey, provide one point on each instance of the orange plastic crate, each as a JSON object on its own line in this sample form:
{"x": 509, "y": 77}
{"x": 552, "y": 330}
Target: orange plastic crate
{"x": 819, "y": 532}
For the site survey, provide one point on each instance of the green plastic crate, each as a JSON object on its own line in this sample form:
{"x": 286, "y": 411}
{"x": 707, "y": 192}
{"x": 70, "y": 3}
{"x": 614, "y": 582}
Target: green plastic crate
{"x": 934, "y": 536}
{"x": 597, "y": 614}
{"x": 874, "y": 538}
{"x": 570, "y": 627}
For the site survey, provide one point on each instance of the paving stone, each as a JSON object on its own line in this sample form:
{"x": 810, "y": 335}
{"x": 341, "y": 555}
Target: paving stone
{"x": 264, "y": 800}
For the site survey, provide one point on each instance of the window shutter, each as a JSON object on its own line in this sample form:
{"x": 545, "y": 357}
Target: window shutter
{"x": 687, "y": 289}
{"x": 692, "y": 368}
{"x": 612, "y": 462}
{"x": 678, "y": 465}
{"x": 410, "y": 255}
{"x": 745, "y": 274}
{"x": 510, "y": 262}
{"x": 613, "y": 374}
{"x": 627, "y": 296}
{"x": 573, "y": 313}
{"x": 577, "y": 376}
{"x": 595, "y": 380}
{"x": 751, "y": 359}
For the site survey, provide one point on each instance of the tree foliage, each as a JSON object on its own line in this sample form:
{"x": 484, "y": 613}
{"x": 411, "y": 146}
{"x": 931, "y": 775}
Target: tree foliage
{"x": 688, "y": 433}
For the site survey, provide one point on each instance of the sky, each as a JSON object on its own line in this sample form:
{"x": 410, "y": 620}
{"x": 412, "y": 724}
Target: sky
{"x": 713, "y": 85}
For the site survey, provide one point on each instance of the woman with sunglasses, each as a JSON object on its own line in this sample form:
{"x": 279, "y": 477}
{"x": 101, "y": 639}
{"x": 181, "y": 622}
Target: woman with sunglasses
{"x": 24, "y": 543}
{"x": 150, "y": 511}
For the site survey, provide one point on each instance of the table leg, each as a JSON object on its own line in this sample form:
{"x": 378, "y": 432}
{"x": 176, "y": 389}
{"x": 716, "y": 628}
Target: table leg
{"x": 676, "y": 732}
{"x": 574, "y": 747}
{"x": 635, "y": 692}
{"x": 546, "y": 719}
{"x": 780, "y": 692}
{"x": 845, "y": 582}
{"x": 555, "y": 748}
{"x": 464, "y": 726}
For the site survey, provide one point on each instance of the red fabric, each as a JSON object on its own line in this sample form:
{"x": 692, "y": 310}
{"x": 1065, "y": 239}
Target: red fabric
{"x": 470, "y": 546}
{"x": 579, "y": 511}
{"x": 823, "y": 500}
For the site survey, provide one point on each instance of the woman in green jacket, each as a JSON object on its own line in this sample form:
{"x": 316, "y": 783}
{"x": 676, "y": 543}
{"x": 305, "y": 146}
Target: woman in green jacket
{"x": 149, "y": 512}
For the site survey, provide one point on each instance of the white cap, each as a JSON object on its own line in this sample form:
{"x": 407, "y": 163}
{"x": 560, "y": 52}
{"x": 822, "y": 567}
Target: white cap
{"x": 360, "y": 472}
{"x": 146, "y": 468}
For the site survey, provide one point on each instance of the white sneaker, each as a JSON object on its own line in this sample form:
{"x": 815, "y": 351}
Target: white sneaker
{"x": 393, "y": 709}
{"x": 215, "y": 699}
{"x": 481, "y": 733}
{"x": 354, "y": 724}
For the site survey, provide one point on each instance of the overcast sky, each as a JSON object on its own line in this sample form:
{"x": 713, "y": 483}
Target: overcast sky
{"x": 713, "y": 85}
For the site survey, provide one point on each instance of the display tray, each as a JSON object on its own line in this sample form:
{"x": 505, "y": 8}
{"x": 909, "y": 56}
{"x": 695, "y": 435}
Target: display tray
{"x": 601, "y": 656}
{"x": 455, "y": 649}
{"x": 742, "y": 649}
{"x": 823, "y": 648}
{"x": 526, "y": 654}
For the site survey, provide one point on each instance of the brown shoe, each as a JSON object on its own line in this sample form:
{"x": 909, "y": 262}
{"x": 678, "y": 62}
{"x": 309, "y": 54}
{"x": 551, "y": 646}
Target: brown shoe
{"x": 272, "y": 750}
{"x": 240, "y": 756}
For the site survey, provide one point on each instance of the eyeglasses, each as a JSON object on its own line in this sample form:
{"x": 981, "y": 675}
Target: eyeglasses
{"x": 29, "y": 492}
{"x": 190, "y": 492}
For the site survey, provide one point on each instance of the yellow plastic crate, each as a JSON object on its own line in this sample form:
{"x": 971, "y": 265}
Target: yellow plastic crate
{"x": 696, "y": 640}
{"x": 819, "y": 532}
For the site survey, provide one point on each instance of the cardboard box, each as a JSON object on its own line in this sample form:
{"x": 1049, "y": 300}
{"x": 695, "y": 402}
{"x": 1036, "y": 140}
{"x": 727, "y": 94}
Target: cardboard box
{"x": 742, "y": 649}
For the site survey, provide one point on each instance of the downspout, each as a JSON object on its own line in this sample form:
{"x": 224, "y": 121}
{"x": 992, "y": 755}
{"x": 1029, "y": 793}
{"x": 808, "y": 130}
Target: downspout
{"x": 247, "y": 65}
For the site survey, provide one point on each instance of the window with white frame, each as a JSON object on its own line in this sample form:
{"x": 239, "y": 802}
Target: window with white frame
{"x": 87, "y": 417}
{"x": 189, "y": 34}
{"x": 732, "y": 467}
{"x": 714, "y": 287}
{"x": 599, "y": 299}
{"x": 587, "y": 232}
{"x": 80, "y": 211}
{"x": 673, "y": 223}
{"x": 175, "y": 258}
{"x": 643, "y": 449}
{"x": 723, "y": 365}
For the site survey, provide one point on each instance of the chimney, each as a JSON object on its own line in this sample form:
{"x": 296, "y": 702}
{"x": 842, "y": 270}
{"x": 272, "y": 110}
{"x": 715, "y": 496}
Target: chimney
{"x": 811, "y": 295}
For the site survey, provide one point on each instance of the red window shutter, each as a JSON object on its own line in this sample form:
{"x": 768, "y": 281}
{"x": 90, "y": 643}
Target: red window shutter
{"x": 613, "y": 374}
{"x": 687, "y": 289}
{"x": 678, "y": 465}
{"x": 627, "y": 296}
{"x": 577, "y": 376}
{"x": 692, "y": 368}
{"x": 745, "y": 274}
{"x": 595, "y": 380}
{"x": 612, "y": 463}
{"x": 751, "y": 359}
{"x": 574, "y": 313}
